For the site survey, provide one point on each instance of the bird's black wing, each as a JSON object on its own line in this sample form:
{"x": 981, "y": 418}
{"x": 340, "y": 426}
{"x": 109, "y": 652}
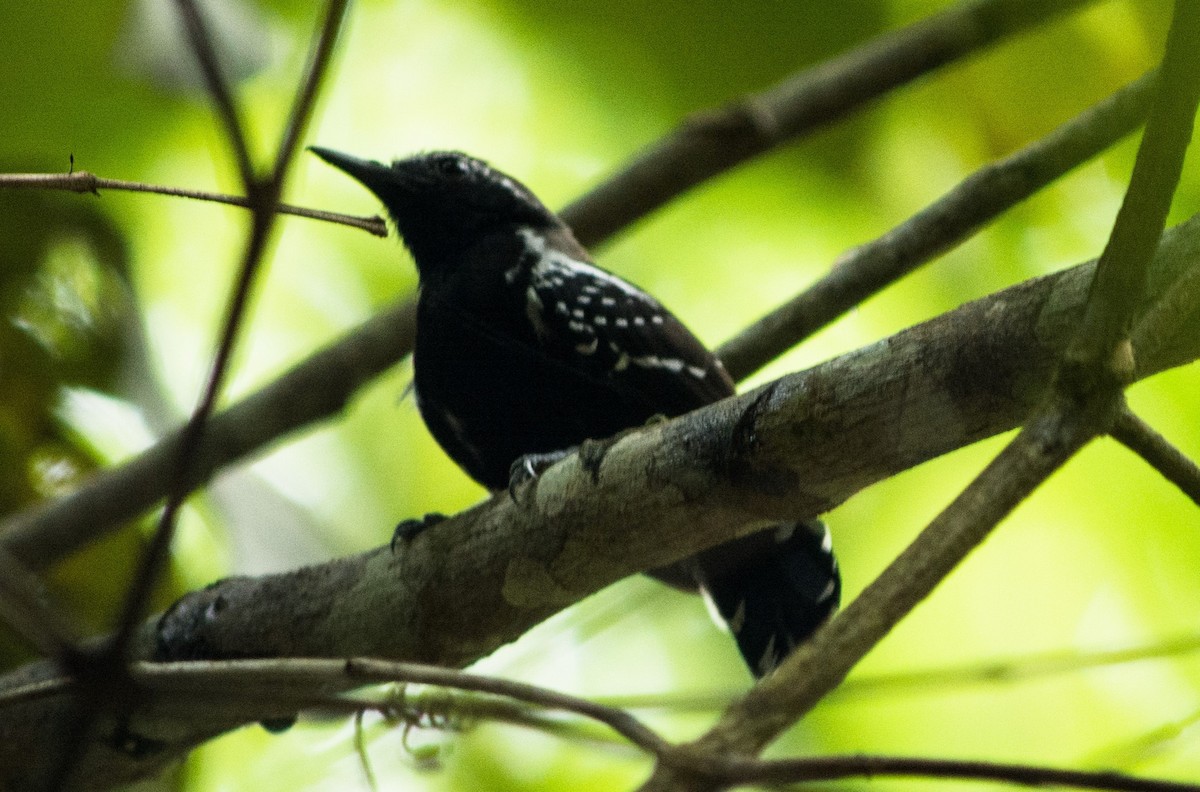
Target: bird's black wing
{"x": 610, "y": 329}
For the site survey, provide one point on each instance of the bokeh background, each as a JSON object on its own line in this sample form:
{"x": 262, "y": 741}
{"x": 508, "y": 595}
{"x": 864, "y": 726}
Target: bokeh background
{"x": 112, "y": 305}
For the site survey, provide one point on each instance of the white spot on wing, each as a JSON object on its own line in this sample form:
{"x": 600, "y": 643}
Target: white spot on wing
{"x": 595, "y": 311}
{"x": 533, "y": 311}
{"x": 674, "y": 365}
{"x": 552, "y": 264}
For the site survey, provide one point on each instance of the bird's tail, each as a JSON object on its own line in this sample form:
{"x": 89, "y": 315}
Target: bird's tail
{"x": 772, "y": 589}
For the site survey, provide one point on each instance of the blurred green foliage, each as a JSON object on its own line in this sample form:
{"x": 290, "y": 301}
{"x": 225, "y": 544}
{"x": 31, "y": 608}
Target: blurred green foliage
{"x": 69, "y": 322}
{"x": 111, "y": 305}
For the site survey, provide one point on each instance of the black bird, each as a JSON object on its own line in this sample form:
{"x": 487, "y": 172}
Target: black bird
{"x": 525, "y": 347}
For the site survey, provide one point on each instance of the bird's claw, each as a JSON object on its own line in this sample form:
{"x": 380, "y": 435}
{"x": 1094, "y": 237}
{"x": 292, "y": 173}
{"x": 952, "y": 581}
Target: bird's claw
{"x": 529, "y": 467}
{"x": 407, "y": 530}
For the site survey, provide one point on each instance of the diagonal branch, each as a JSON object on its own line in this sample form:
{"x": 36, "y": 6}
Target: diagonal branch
{"x": 1141, "y": 438}
{"x": 1124, "y": 265}
{"x": 306, "y": 95}
{"x": 203, "y": 49}
{"x": 981, "y": 197}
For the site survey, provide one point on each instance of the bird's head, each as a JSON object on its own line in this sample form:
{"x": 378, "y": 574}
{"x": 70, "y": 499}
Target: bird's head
{"x": 444, "y": 202}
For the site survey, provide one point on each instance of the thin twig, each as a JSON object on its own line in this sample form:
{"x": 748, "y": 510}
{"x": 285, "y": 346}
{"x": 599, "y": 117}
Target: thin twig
{"x": 827, "y": 768}
{"x": 713, "y": 142}
{"x": 249, "y": 690}
{"x": 948, "y": 221}
{"x": 360, "y": 748}
{"x": 306, "y": 94}
{"x": 197, "y": 678}
{"x": 1141, "y": 438}
{"x": 619, "y": 721}
{"x": 201, "y": 44}
{"x": 83, "y": 181}
{"x": 106, "y": 669}
{"x": 1017, "y": 669}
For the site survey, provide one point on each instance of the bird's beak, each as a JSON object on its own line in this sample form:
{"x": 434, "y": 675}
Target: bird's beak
{"x": 374, "y": 175}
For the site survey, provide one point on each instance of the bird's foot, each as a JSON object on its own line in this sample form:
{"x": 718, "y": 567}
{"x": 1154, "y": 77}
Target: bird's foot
{"x": 408, "y": 530}
{"x": 530, "y": 466}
